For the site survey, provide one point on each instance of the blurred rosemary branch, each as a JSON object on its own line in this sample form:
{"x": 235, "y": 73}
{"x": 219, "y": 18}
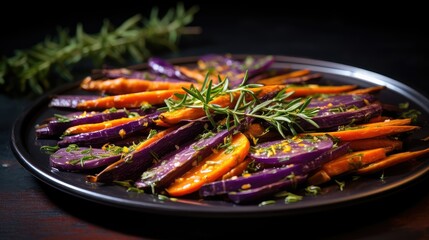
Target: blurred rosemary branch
{"x": 29, "y": 71}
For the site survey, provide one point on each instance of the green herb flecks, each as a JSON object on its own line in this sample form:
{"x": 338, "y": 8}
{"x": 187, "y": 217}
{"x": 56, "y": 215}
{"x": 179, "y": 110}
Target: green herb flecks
{"x": 313, "y": 190}
{"x": 129, "y": 185}
{"x": 49, "y": 149}
{"x": 30, "y": 70}
{"x": 409, "y": 113}
{"x": 341, "y": 185}
{"x": 265, "y": 203}
{"x": 291, "y": 198}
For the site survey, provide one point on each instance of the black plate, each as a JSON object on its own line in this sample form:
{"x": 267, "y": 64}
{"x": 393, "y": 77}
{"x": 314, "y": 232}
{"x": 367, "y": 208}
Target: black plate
{"x": 366, "y": 188}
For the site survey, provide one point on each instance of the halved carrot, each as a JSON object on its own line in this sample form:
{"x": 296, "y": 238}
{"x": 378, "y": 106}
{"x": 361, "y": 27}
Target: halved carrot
{"x": 124, "y": 85}
{"x": 173, "y": 117}
{"x": 367, "y": 90}
{"x": 378, "y": 118}
{"x": 280, "y": 78}
{"x": 318, "y": 178}
{"x": 388, "y": 144}
{"x": 211, "y": 168}
{"x": 90, "y": 127}
{"x": 392, "y": 160}
{"x": 367, "y": 132}
{"x": 389, "y": 122}
{"x": 306, "y": 90}
{"x": 237, "y": 170}
{"x": 142, "y": 145}
{"x": 191, "y": 73}
{"x": 130, "y": 100}
{"x": 352, "y": 161}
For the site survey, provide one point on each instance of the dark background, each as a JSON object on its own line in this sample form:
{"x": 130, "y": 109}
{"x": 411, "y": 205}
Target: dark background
{"x": 388, "y": 39}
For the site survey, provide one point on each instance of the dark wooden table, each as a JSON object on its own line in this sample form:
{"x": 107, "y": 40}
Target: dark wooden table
{"x": 30, "y": 209}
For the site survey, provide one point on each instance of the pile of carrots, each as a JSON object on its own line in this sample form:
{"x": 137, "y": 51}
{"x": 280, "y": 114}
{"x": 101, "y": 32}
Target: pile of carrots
{"x": 375, "y": 145}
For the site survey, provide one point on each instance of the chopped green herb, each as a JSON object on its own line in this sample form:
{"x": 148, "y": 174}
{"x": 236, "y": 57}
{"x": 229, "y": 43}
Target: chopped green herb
{"x": 291, "y": 198}
{"x": 72, "y": 147}
{"x": 265, "y": 203}
{"x": 49, "y": 149}
{"x": 313, "y": 190}
{"x": 341, "y": 185}
{"x": 152, "y": 133}
{"x": 162, "y": 197}
{"x": 62, "y": 118}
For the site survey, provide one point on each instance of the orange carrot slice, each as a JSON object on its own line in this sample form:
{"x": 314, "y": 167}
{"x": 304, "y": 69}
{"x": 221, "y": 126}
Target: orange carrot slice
{"x": 389, "y": 122}
{"x": 352, "y": 161}
{"x": 90, "y": 127}
{"x": 279, "y": 79}
{"x": 367, "y": 90}
{"x": 124, "y": 85}
{"x": 370, "y": 143}
{"x": 237, "y": 170}
{"x": 174, "y": 117}
{"x": 211, "y": 168}
{"x": 131, "y": 100}
{"x": 392, "y": 160}
{"x": 300, "y": 91}
{"x": 318, "y": 178}
{"x": 367, "y": 132}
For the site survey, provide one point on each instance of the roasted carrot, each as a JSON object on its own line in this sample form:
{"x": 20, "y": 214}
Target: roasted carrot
{"x": 237, "y": 170}
{"x": 194, "y": 74}
{"x": 256, "y": 131}
{"x": 90, "y": 127}
{"x": 280, "y": 78}
{"x": 142, "y": 145}
{"x": 389, "y": 122}
{"x": 173, "y": 117}
{"x": 124, "y": 85}
{"x": 318, "y": 178}
{"x": 367, "y": 90}
{"x": 378, "y": 118}
{"x": 392, "y": 160}
{"x": 306, "y": 90}
{"x": 362, "y": 132}
{"x": 211, "y": 168}
{"x": 388, "y": 144}
{"x": 352, "y": 161}
{"x": 130, "y": 100}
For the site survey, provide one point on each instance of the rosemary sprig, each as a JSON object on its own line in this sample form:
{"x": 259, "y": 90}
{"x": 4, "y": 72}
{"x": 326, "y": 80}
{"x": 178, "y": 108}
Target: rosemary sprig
{"x": 31, "y": 69}
{"x": 281, "y": 113}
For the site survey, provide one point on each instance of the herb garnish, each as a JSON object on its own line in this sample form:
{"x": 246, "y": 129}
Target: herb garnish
{"x": 281, "y": 113}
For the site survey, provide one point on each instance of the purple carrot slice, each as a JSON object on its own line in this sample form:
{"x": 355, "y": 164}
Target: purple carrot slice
{"x": 298, "y": 150}
{"x": 82, "y": 158}
{"x": 342, "y": 118}
{"x": 161, "y": 66}
{"x": 137, "y": 162}
{"x": 58, "y": 126}
{"x": 70, "y": 101}
{"x": 178, "y": 162}
{"x": 109, "y": 134}
{"x": 257, "y": 194}
{"x": 270, "y": 175}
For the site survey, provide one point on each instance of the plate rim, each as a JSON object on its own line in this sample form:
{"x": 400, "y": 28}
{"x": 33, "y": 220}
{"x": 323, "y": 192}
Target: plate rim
{"x": 24, "y": 157}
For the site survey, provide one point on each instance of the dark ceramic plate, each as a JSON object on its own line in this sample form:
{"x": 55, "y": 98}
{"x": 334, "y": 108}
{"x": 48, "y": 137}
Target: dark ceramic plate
{"x": 364, "y": 189}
